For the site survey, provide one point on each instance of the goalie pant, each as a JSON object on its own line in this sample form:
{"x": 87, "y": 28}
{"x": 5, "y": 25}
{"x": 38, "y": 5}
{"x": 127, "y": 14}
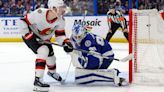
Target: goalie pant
{"x": 97, "y": 45}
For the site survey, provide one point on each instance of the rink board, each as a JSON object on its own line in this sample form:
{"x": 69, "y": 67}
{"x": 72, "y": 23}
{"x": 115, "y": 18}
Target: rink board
{"x": 10, "y": 32}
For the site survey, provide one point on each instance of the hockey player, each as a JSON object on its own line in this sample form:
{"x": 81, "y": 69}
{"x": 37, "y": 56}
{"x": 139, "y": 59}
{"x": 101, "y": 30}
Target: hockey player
{"x": 115, "y": 20}
{"x": 39, "y": 26}
{"x": 93, "y": 66}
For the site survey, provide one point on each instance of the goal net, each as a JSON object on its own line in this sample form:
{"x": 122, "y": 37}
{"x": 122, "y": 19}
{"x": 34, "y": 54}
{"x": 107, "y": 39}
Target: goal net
{"x": 146, "y": 42}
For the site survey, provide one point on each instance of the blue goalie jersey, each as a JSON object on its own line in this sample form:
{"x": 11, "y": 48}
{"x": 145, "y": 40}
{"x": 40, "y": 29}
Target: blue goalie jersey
{"x": 97, "y": 45}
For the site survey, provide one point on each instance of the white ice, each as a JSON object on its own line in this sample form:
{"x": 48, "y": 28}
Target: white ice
{"x": 17, "y": 64}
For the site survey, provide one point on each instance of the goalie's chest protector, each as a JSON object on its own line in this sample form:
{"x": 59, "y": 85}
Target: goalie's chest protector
{"x": 90, "y": 41}
{"x": 44, "y": 26}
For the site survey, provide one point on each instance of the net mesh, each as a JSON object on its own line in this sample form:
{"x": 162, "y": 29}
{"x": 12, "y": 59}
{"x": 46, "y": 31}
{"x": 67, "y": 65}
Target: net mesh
{"x": 148, "y": 47}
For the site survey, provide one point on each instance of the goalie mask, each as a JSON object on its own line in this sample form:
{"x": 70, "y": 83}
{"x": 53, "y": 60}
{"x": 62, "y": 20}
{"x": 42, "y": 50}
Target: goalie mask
{"x": 78, "y": 33}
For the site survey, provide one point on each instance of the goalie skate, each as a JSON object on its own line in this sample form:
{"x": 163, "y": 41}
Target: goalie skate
{"x": 123, "y": 82}
{"x": 39, "y": 86}
{"x": 55, "y": 76}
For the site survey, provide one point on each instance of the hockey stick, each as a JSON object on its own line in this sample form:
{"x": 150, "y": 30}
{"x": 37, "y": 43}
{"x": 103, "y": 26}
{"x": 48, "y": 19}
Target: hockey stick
{"x": 127, "y": 58}
{"x": 85, "y": 14}
{"x": 63, "y": 81}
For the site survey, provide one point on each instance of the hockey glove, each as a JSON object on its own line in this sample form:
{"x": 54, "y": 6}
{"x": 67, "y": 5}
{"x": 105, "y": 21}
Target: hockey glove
{"x": 68, "y": 47}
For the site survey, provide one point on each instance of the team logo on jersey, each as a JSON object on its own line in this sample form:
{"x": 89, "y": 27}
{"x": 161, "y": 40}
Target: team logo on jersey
{"x": 46, "y": 31}
{"x": 39, "y": 11}
{"x": 87, "y": 43}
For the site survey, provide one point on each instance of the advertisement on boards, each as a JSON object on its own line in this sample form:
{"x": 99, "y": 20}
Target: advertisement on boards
{"x": 9, "y": 26}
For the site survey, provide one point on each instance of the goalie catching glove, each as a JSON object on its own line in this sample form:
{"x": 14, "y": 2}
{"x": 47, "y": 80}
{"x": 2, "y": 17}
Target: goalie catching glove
{"x": 68, "y": 47}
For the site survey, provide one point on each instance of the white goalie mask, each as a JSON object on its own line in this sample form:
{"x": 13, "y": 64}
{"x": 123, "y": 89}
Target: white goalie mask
{"x": 78, "y": 33}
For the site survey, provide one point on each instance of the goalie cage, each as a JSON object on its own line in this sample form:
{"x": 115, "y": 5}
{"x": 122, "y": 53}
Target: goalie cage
{"x": 146, "y": 42}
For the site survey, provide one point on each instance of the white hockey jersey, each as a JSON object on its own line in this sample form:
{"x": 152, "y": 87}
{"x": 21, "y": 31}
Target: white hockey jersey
{"x": 44, "y": 28}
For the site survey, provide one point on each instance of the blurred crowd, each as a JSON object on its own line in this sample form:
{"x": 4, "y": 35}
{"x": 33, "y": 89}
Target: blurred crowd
{"x": 75, "y": 7}
{"x": 122, "y": 5}
{"x": 20, "y": 7}
{"x": 78, "y": 7}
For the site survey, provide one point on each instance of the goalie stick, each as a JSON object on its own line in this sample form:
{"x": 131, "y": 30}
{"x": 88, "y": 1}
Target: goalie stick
{"x": 127, "y": 58}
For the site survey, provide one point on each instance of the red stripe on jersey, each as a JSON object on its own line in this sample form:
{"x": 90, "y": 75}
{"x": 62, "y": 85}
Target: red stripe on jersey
{"x": 44, "y": 31}
{"x": 40, "y": 67}
{"x": 40, "y": 60}
{"x": 162, "y": 14}
{"x": 50, "y": 21}
{"x": 27, "y": 20}
{"x": 28, "y": 36}
{"x": 59, "y": 33}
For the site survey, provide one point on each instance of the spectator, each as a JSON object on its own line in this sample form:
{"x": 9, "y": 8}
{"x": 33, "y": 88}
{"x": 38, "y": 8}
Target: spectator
{"x": 27, "y": 9}
{"x": 5, "y": 10}
{"x": 1, "y": 4}
{"x": 39, "y": 4}
{"x": 45, "y": 3}
{"x": 75, "y": 6}
{"x": 20, "y": 8}
{"x": 79, "y": 6}
{"x": 13, "y": 10}
{"x": 119, "y": 7}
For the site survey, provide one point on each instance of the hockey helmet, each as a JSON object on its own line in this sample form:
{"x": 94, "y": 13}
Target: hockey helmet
{"x": 78, "y": 32}
{"x": 55, "y": 3}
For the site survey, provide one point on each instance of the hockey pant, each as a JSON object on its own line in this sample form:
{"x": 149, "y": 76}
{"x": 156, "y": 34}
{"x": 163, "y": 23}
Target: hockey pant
{"x": 44, "y": 53}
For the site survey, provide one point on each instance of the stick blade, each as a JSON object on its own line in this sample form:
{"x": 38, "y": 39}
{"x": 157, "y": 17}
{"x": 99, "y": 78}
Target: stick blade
{"x": 127, "y": 58}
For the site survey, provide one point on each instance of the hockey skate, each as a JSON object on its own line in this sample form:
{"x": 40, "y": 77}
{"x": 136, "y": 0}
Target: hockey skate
{"x": 119, "y": 81}
{"x": 39, "y": 86}
{"x": 55, "y": 76}
{"x": 123, "y": 82}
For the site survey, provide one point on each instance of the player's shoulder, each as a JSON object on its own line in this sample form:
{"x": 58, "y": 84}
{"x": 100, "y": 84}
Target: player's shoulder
{"x": 41, "y": 11}
{"x": 118, "y": 12}
{"x": 90, "y": 36}
{"x": 109, "y": 12}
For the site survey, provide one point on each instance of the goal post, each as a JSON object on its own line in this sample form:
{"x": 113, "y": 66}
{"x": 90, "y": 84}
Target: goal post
{"x": 146, "y": 42}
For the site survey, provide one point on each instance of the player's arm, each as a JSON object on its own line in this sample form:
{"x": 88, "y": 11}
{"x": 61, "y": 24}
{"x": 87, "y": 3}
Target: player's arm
{"x": 123, "y": 21}
{"x": 107, "y": 49}
{"x": 30, "y": 17}
{"x": 62, "y": 39}
{"x": 96, "y": 42}
{"x": 109, "y": 20}
{"x": 25, "y": 24}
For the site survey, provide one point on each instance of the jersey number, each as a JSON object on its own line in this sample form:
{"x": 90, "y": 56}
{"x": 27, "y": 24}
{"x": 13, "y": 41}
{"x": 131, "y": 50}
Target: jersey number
{"x": 100, "y": 41}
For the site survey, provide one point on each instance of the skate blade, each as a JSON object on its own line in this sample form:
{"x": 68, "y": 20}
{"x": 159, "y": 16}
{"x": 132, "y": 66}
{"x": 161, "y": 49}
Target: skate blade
{"x": 41, "y": 89}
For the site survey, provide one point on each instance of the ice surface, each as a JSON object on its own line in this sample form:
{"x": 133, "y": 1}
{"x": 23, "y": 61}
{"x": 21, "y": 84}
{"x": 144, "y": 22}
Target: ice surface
{"x": 17, "y": 66}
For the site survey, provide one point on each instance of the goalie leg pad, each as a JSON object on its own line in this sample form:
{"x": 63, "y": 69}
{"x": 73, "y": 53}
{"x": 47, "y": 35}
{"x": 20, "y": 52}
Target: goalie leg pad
{"x": 97, "y": 76}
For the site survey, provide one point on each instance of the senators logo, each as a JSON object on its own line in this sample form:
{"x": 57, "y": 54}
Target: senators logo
{"x": 46, "y": 31}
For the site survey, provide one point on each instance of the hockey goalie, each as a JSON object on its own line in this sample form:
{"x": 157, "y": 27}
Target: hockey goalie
{"x": 92, "y": 67}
